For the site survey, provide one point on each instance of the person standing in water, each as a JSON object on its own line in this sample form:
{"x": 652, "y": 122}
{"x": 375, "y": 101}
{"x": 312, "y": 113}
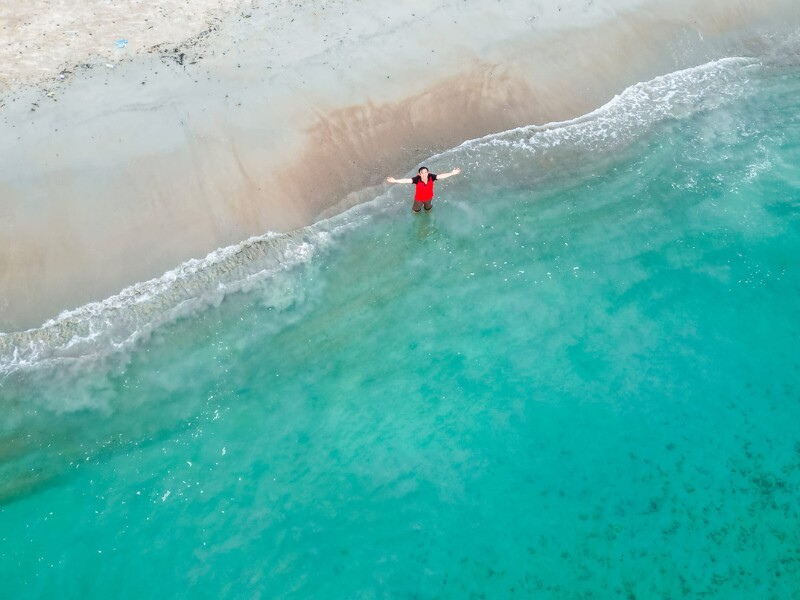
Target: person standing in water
{"x": 423, "y": 196}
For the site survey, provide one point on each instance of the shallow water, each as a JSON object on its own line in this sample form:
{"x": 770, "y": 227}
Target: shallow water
{"x": 576, "y": 377}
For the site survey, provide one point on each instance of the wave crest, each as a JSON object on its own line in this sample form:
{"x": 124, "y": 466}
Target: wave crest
{"x": 117, "y": 323}
{"x": 102, "y": 328}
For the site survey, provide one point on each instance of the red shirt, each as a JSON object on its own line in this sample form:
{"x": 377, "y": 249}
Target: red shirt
{"x": 424, "y": 190}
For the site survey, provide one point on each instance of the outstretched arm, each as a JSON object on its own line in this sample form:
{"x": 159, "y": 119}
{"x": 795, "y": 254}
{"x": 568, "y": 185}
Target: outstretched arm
{"x": 393, "y": 180}
{"x": 455, "y": 171}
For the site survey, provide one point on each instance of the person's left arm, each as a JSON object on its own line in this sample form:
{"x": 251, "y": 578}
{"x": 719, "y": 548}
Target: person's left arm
{"x": 455, "y": 171}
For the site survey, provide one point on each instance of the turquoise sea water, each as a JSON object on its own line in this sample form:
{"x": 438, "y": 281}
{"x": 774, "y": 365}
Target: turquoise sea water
{"x": 577, "y": 377}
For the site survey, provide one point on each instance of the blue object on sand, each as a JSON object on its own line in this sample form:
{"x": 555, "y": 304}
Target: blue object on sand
{"x": 122, "y": 43}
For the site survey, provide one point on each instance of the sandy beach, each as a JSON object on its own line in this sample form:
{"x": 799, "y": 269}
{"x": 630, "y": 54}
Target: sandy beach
{"x": 222, "y": 120}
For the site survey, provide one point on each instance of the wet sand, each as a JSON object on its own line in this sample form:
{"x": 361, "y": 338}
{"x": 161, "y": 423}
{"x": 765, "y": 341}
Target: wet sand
{"x": 272, "y": 114}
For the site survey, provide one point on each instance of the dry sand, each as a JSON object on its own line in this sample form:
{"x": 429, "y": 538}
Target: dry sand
{"x": 208, "y": 129}
{"x": 41, "y": 38}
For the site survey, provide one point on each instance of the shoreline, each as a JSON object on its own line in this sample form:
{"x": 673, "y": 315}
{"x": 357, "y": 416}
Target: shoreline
{"x": 111, "y": 181}
{"x": 103, "y": 330}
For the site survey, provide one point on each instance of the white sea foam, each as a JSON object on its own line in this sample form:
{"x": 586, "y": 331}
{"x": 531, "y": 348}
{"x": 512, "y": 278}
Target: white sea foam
{"x": 618, "y": 122}
{"x": 117, "y": 324}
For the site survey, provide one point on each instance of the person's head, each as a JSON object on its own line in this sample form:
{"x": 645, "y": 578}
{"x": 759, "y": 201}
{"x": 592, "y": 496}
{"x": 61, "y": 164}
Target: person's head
{"x": 423, "y": 171}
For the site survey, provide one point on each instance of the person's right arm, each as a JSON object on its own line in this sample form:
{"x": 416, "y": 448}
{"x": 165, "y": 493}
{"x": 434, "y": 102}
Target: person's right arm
{"x": 393, "y": 180}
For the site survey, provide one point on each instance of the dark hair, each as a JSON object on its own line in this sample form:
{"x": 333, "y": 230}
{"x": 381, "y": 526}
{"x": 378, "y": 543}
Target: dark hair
{"x": 426, "y": 168}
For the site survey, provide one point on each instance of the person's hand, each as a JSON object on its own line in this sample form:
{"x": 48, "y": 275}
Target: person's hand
{"x": 391, "y": 180}
{"x": 456, "y": 171}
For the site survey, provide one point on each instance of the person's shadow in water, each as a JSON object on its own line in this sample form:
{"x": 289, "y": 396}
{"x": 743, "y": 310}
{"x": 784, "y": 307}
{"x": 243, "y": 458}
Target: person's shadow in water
{"x": 424, "y": 226}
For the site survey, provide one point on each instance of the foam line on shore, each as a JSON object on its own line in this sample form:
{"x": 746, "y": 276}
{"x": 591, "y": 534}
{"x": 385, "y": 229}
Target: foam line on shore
{"x": 629, "y": 113}
{"x": 97, "y": 330}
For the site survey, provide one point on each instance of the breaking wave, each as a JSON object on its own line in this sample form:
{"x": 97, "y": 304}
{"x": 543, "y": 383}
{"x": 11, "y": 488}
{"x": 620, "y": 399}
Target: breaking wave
{"x": 118, "y": 323}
